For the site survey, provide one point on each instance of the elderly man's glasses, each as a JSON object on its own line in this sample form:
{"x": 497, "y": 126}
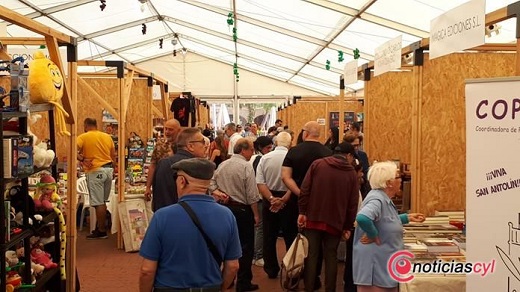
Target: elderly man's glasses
{"x": 203, "y": 141}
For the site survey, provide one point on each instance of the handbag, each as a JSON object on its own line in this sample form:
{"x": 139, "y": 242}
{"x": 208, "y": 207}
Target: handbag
{"x": 293, "y": 263}
{"x": 212, "y": 248}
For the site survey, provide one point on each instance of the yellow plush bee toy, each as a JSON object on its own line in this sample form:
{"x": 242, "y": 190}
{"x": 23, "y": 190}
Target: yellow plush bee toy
{"x": 46, "y": 86}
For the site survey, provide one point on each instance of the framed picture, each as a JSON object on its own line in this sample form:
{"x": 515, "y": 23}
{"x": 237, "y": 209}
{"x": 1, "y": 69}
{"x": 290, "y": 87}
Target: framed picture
{"x": 134, "y": 218}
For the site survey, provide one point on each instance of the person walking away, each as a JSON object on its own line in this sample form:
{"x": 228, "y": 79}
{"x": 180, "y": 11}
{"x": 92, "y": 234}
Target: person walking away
{"x": 97, "y": 154}
{"x": 178, "y": 259}
{"x": 327, "y": 208}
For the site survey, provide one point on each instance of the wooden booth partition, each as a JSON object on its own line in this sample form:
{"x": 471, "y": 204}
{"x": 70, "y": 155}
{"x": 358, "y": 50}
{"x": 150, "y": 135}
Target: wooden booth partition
{"x": 304, "y": 111}
{"x": 139, "y": 109}
{"x": 441, "y": 150}
{"x": 350, "y": 105}
{"x": 388, "y": 117}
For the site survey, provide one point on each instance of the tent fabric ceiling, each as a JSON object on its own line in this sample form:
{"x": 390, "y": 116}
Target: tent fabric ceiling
{"x": 289, "y": 40}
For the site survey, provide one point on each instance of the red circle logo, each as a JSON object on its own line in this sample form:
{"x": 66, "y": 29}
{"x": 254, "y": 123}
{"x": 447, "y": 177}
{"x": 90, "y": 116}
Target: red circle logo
{"x": 400, "y": 266}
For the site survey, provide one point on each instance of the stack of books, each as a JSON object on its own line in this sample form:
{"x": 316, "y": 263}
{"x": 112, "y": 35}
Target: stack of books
{"x": 440, "y": 245}
{"x": 460, "y": 240}
{"x": 454, "y": 216}
{"x": 437, "y": 220}
{"x": 422, "y": 228}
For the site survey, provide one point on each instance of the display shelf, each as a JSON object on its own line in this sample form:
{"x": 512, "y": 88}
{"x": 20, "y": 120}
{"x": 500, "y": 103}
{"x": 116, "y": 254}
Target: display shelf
{"x": 47, "y": 275}
{"x": 33, "y": 109}
{"x": 36, "y": 171}
{"x": 15, "y": 239}
{"x": 25, "y": 235}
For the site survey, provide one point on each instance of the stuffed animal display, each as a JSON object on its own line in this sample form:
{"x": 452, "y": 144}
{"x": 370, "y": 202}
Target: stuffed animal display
{"x": 46, "y": 85}
{"x": 47, "y": 198}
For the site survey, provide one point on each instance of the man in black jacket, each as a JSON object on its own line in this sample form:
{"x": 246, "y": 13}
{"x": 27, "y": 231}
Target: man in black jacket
{"x": 190, "y": 143}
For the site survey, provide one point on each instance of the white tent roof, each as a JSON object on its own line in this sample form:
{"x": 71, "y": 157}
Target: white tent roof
{"x": 288, "y": 40}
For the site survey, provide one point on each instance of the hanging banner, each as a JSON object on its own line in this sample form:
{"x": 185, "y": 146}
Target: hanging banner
{"x": 493, "y": 182}
{"x": 27, "y": 55}
{"x": 458, "y": 29}
{"x": 388, "y": 56}
{"x": 350, "y": 73}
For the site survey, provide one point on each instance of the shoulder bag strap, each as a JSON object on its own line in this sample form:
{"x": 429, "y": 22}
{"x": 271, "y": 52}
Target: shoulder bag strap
{"x": 209, "y": 243}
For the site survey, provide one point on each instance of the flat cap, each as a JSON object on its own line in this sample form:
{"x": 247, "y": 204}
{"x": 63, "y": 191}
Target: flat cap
{"x": 345, "y": 148}
{"x": 199, "y": 168}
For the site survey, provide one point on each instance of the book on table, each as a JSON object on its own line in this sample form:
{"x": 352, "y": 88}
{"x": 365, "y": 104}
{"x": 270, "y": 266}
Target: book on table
{"x": 441, "y": 245}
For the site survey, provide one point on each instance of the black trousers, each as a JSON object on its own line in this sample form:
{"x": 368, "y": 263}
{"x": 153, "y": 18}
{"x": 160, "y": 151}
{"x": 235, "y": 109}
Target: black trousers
{"x": 284, "y": 220}
{"x": 347, "y": 274}
{"x": 326, "y": 244}
{"x": 246, "y": 233}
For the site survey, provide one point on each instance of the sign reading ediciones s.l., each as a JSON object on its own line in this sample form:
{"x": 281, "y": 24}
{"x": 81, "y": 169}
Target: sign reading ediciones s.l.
{"x": 458, "y": 29}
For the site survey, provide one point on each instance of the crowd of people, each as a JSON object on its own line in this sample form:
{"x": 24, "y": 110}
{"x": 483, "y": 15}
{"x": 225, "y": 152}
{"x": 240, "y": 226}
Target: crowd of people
{"x": 221, "y": 202}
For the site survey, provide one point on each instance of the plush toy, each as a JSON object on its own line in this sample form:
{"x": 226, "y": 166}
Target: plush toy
{"x": 46, "y": 197}
{"x": 41, "y": 257}
{"x": 46, "y": 85}
{"x": 19, "y": 200}
{"x": 11, "y": 258}
{"x": 42, "y": 156}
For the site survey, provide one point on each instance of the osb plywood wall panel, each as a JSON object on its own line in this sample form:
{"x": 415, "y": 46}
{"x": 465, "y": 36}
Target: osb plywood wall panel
{"x": 443, "y": 127}
{"x": 305, "y": 111}
{"x": 388, "y": 120}
{"x": 204, "y": 116}
{"x": 137, "y": 115}
{"x": 159, "y": 105}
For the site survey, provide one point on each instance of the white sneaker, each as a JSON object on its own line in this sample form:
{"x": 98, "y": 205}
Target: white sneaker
{"x": 259, "y": 262}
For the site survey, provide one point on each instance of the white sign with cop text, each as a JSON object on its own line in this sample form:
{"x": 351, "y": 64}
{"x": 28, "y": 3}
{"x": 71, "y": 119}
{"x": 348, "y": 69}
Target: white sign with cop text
{"x": 493, "y": 182}
{"x": 458, "y": 29}
{"x": 388, "y": 56}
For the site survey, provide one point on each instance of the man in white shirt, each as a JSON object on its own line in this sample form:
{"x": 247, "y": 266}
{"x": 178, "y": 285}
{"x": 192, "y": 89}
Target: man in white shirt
{"x": 231, "y": 131}
{"x": 279, "y": 210}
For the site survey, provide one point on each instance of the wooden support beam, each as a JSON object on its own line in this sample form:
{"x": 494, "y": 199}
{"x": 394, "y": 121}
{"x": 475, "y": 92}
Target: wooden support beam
{"x": 164, "y": 98}
{"x": 149, "y": 116}
{"x": 156, "y": 111}
{"x": 54, "y": 54}
{"x": 121, "y": 156}
{"x": 22, "y": 41}
{"x": 91, "y": 63}
{"x": 128, "y": 81}
{"x": 18, "y": 19}
{"x": 416, "y": 166}
{"x": 98, "y": 97}
{"x": 71, "y": 184}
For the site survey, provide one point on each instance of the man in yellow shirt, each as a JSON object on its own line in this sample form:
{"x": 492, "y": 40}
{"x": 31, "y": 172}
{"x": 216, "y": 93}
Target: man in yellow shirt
{"x": 97, "y": 155}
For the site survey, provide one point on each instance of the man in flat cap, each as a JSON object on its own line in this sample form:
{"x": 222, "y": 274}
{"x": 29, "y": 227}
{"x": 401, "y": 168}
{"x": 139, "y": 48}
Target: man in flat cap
{"x": 179, "y": 257}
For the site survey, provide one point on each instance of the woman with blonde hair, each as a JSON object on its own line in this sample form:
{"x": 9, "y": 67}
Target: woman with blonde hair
{"x": 379, "y": 232}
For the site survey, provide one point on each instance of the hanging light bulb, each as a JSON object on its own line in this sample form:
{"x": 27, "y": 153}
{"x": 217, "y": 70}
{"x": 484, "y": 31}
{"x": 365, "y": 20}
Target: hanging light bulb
{"x": 143, "y": 4}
